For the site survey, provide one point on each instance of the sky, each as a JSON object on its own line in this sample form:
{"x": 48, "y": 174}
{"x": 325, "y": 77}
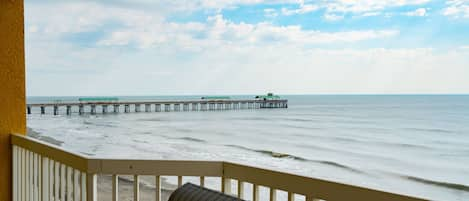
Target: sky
{"x": 189, "y": 47}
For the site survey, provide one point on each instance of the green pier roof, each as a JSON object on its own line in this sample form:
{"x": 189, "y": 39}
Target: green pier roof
{"x": 216, "y": 97}
{"x": 269, "y": 96}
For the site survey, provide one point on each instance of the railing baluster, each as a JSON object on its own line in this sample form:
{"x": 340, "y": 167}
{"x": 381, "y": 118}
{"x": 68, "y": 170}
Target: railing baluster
{"x": 76, "y": 185}
{"x": 57, "y": 180}
{"x": 226, "y": 185}
{"x": 273, "y": 194}
{"x": 63, "y": 182}
{"x": 91, "y": 188}
{"x": 39, "y": 177}
{"x": 157, "y": 188}
{"x": 83, "y": 186}
{"x": 255, "y": 192}
{"x": 69, "y": 183}
{"x": 22, "y": 175}
{"x": 240, "y": 189}
{"x": 15, "y": 173}
{"x": 45, "y": 179}
{"x": 35, "y": 170}
{"x": 179, "y": 181}
{"x": 291, "y": 196}
{"x": 51, "y": 179}
{"x": 26, "y": 175}
{"x": 30, "y": 176}
{"x": 136, "y": 188}
{"x": 202, "y": 181}
{"x": 115, "y": 187}
{"x": 310, "y": 198}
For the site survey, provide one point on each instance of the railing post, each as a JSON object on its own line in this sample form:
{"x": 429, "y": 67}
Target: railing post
{"x": 45, "y": 179}
{"x": 51, "y": 179}
{"x": 157, "y": 188}
{"x": 273, "y": 194}
{"x": 240, "y": 189}
{"x": 202, "y": 181}
{"x": 27, "y": 189}
{"x": 136, "y": 188}
{"x": 179, "y": 181}
{"x": 115, "y": 187}
{"x": 57, "y": 180}
{"x": 76, "y": 186}
{"x": 83, "y": 187}
{"x": 15, "y": 172}
{"x": 226, "y": 185}
{"x": 291, "y": 196}
{"x": 69, "y": 183}
{"x": 255, "y": 192}
{"x": 63, "y": 181}
{"x": 91, "y": 188}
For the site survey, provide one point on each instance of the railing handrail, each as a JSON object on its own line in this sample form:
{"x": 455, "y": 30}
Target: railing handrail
{"x": 323, "y": 189}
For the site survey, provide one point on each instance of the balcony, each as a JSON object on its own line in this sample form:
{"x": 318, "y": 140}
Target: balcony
{"x": 46, "y": 172}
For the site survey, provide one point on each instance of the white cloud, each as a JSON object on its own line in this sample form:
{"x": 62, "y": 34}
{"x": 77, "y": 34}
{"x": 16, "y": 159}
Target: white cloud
{"x": 360, "y": 6}
{"x": 420, "y": 12}
{"x": 270, "y": 12}
{"x": 457, "y": 8}
{"x": 333, "y": 17}
{"x": 369, "y": 14}
{"x": 303, "y": 8}
{"x": 204, "y": 54}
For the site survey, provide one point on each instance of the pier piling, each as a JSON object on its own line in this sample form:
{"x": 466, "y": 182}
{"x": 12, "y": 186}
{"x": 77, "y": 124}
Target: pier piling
{"x": 104, "y": 107}
{"x": 93, "y": 109}
{"x": 157, "y": 107}
{"x": 167, "y": 107}
{"x": 137, "y": 107}
{"x": 116, "y": 108}
{"x": 69, "y": 110}
{"x": 56, "y": 110}
{"x": 81, "y": 109}
{"x": 147, "y": 108}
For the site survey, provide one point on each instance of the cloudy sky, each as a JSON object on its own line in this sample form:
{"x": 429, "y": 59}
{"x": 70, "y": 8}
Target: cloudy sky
{"x": 183, "y": 47}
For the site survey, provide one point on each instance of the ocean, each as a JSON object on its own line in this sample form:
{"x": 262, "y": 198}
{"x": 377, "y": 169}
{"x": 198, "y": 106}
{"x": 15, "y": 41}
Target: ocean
{"x": 412, "y": 144}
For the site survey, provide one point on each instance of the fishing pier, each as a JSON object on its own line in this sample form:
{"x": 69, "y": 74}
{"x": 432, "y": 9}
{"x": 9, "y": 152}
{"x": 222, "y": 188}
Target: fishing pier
{"x": 112, "y": 105}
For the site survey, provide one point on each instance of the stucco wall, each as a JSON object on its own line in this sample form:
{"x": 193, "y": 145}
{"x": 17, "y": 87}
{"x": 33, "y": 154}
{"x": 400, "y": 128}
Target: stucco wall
{"x": 12, "y": 89}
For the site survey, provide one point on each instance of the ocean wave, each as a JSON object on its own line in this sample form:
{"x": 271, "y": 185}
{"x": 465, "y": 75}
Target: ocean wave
{"x": 298, "y": 158}
{"x": 431, "y": 130}
{"x": 34, "y": 134}
{"x": 251, "y": 118}
{"x": 153, "y": 120}
{"x": 109, "y": 125}
{"x": 453, "y": 186}
{"x": 185, "y": 139}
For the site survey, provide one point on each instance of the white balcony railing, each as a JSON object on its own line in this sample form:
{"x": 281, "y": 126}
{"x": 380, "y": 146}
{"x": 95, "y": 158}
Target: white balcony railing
{"x": 43, "y": 172}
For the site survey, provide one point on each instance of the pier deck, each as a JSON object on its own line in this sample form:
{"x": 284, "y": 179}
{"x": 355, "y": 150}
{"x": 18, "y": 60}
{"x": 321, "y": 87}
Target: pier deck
{"x": 157, "y": 106}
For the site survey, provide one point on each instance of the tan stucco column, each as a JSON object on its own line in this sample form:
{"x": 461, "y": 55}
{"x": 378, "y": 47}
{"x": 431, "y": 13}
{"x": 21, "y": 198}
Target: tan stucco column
{"x": 12, "y": 85}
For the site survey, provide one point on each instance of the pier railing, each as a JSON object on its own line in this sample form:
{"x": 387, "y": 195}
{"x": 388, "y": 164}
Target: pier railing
{"x": 43, "y": 172}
